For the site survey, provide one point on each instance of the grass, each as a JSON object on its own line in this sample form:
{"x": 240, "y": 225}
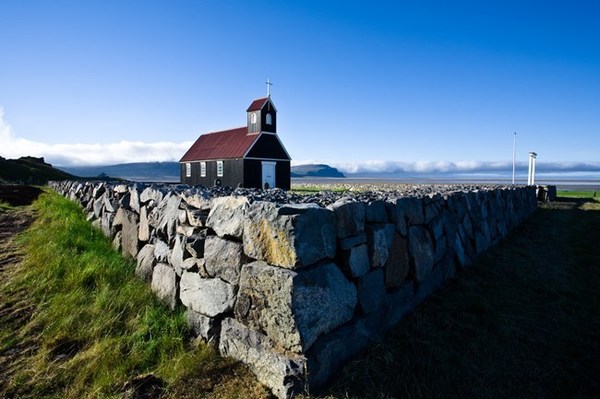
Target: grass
{"x": 94, "y": 325}
{"x": 5, "y": 206}
{"x": 579, "y": 194}
{"x": 522, "y": 322}
{"x": 309, "y": 188}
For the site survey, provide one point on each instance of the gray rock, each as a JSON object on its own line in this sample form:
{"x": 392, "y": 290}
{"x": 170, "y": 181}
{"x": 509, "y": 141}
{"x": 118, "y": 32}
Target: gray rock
{"x": 109, "y": 203}
{"x": 349, "y": 217}
{"x": 164, "y": 284}
{"x": 223, "y": 259}
{"x": 291, "y": 236}
{"x": 177, "y": 256}
{"x": 400, "y": 217}
{"x": 151, "y": 194}
{"x": 284, "y": 374}
{"x": 144, "y": 226}
{"x": 205, "y": 327}
{"x": 350, "y": 242}
{"x": 398, "y": 303}
{"x": 145, "y": 262}
{"x": 376, "y": 212}
{"x": 397, "y": 264}
{"x": 209, "y": 296}
{"x": 191, "y": 265}
{"x": 134, "y": 198}
{"x": 413, "y": 210}
{"x": 162, "y": 253}
{"x": 371, "y": 290}
{"x": 98, "y": 207}
{"x": 379, "y": 238}
{"x": 107, "y": 224}
{"x": 129, "y": 221}
{"x": 196, "y": 217}
{"x": 332, "y": 351}
{"x": 294, "y": 308}
{"x": 168, "y": 216}
{"x": 356, "y": 260}
{"x": 227, "y": 215}
{"x": 121, "y": 188}
{"x": 420, "y": 248}
{"x": 117, "y": 242}
{"x": 195, "y": 244}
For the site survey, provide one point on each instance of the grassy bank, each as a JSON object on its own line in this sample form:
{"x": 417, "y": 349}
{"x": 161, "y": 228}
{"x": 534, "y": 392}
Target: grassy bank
{"x": 93, "y": 327}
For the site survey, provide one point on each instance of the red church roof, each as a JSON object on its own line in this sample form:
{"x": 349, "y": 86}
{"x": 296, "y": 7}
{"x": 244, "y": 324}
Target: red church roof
{"x": 227, "y": 144}
{"x": 257, "y": 104}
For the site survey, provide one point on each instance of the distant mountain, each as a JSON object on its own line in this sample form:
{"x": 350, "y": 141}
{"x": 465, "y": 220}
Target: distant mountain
{"x": 315, "y": 170}
{"x": 30, "y": 170}
{"x": 139, "y": 171}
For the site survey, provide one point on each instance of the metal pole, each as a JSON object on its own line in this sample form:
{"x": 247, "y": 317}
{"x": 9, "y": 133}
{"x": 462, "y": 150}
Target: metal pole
{"x": 514, "y": 152}
{"x": 533, "y": 170}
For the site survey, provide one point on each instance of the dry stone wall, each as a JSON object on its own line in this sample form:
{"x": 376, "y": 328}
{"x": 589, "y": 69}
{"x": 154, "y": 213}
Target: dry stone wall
{"x": 295, "y": 290}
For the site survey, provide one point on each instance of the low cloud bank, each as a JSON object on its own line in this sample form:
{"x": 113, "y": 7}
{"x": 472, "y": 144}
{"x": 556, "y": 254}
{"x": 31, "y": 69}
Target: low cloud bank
{"x": 123, "y": 151}
{"x": 467, "y": 167}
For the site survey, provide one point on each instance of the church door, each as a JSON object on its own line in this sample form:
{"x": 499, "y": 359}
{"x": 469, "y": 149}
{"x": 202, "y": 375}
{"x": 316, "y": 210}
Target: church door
{"x": 268, "y": 174}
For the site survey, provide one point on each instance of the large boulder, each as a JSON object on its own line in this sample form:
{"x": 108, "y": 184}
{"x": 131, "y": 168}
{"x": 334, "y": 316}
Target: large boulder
{"x": 209, "y": 296}
{"x": 397, "y": 264}
{"x": 223, "y": 259}
{"x": 294, "y": 308}
{"x": 420, "y": 248}
{"x": 349, "y": 217}
{"x": 283, "y": 373}
{"x": 145, "y": 262}
{"x": 226, "y": 216}
{"x": 129, "y": 238}
{"x": 290, "y": 236}
{"x": 164, "y": 284}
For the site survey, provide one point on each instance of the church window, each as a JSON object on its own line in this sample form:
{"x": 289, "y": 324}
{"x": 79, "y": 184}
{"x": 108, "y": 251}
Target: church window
{"x": 220, "y": 168}
{"x": 253, "y": 117}
{"x": 269, "y": 119}
{"x": 188, "y": 169}
{"x": 202, "y": 169}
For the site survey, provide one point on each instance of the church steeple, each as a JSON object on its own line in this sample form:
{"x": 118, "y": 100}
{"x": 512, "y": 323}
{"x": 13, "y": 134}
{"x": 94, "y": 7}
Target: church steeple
{"x": 262, "y": 115}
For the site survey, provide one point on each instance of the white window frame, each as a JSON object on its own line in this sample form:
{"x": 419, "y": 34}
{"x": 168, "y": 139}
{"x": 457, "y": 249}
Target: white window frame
{"x": 253, "y": 117}
{"x": 188, "y": 169}
{"x": 219, "y": 168}
{"x": 202, "y": 169}
{"x": 269, "y": 119}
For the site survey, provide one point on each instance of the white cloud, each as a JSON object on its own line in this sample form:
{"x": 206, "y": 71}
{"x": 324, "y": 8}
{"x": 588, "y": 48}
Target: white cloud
{"x": 124, "y": 151}
{"x": 436, "y": 167}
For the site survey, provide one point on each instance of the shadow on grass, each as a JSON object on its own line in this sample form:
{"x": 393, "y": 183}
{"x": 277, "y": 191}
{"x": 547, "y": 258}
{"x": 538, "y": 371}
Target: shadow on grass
{"x": 522, "y": 322}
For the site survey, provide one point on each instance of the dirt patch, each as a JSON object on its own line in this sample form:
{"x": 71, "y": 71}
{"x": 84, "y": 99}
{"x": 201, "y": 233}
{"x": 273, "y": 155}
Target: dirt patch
{"x": 15, "y": 306}
{"x": 18, "y": 195}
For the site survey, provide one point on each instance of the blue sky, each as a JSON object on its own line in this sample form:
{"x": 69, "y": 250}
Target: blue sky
{"x": 364, "y": 85}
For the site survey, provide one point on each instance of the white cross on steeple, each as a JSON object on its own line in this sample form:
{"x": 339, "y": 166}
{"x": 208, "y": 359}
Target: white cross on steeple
{"x": 269, "y": 84}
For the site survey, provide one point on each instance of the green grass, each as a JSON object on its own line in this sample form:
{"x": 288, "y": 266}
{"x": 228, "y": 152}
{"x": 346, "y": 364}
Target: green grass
{"x": 578, "y": 194}
{"x": 94, "y": 326}
{"x": 5, "y": 206}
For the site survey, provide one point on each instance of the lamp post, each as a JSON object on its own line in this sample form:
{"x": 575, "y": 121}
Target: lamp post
{"x": 514, "y": 152}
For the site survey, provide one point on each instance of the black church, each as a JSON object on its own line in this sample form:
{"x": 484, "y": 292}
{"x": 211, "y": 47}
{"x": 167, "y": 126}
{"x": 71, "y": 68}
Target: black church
{"x": 249, "y": 156}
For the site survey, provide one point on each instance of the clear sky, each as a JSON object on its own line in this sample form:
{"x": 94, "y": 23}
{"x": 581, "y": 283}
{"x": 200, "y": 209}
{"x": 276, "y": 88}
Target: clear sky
{"x": 377, "y": 84}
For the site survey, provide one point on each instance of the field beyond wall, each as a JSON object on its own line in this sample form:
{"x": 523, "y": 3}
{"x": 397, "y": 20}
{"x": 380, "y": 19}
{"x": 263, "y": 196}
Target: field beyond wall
{"x": 521, "y": 322}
